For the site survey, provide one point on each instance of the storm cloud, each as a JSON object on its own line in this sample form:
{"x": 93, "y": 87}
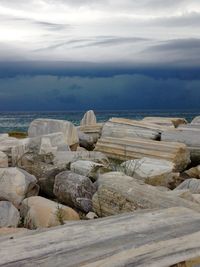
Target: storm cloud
{"x": 97, "y": 31}
{"x": 108, "y": 54}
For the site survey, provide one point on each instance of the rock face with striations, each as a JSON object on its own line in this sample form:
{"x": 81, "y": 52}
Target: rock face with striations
{"x": 40, "y": 212}
{"x": 47, "y": 126}
{"x": 74, "y": 190}
{"x": 9, "y": 215}
{"x": 192, "y": 184}
{"x": 125, "y": 128}
{"x": 136, "y": 148}
{"x": 118, "y": 193}
{"x": 152, "y": 171}
{"x": 171, "y": 122}
{"x": 89, "y": 118}
{"x": 187, "y": 135}
{"x": 16, "y": 184}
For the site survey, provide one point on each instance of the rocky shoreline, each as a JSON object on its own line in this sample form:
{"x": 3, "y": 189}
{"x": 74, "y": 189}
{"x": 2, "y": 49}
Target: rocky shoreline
{"x": 62, "y": 175}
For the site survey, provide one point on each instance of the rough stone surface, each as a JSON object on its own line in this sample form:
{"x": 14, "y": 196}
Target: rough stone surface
{"x": 89, "y": 118}
{"x": 16, "y": 184}
{"x": 9, "y": 215}
{"x": 64, "y": 159}
{"x": 193, "y": 172}
{"x": 188, "y": 136}
{"x": 152, "y": 171}
{"x": 172, "y": 122}
{"x": 3, "y": 160}
{"x": 47, "y": 126}
{"x": 42, "y": 145}
{"x": 124, "y": 128}
{"x": 91, "y": 215}
{"x": 41, "y": 212}
{"x": 118, "y": 193}
{"x": 192, "y": 184}
{"x": 74, "y": 190}
{"x": 43, "y": 171}
{"x": 153, "y": 238}
{"x": 136, "y": 148}
{"x": 88, "y": 168}
{"x": 87, "y": 141}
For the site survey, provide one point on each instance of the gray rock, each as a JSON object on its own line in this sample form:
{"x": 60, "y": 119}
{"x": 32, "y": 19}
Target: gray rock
{"x": 91, "y": 215}
{"x": 3, "y": 160}
{"x": 64, "y": 159}
{"x": 89, "y": 118}
{"x": 43, "y": 171}
{"x": 192, "y": 184}
{"x": 118, "y": 193}
{"x": 16, "y": 184}
{"x": 87, "y": 141}
{"x": 74, "y": 190}
{"x": 155, "y": 172}
{"x": 47, "y": 126}
{"x": 187, "y": 135}
{"x": 9, "y": 215}
{"x": 42, "y": 145}
{"x": 88, "y": 168}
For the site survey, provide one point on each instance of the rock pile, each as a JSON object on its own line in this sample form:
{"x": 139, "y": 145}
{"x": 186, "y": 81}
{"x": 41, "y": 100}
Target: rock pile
{"x": 63, "y": 173}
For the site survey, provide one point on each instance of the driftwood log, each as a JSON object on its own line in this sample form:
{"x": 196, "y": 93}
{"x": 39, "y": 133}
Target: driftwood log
{"x": 153, "y": 238}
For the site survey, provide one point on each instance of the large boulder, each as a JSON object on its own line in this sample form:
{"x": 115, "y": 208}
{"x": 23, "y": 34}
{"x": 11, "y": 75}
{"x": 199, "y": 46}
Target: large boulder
{"x": 17, "y": 184}
{"x": 45, "y": 172}
{"x": 3, "y": 160}
{"x": 118, "y": 193}
{"x": 9, "y": 215}
{"x": 64, "y": 159}
{"x": 42, "y": 145}
{"x": 87, "y": 141}
{"x": 187, "y": 135}
{"x": 47, "y": 126}
{"x": 88, "y": 168}
{"x": 89, "y": 118}
{"x": 74, "y": 190}
{"x": 136, "y": 148}
{"x": 6, "y": 145}
{"x": 39, "y": 212}
{"x": 125, "y": 128}
{"x": 152, "y": 171}
{"x": 192, "y": 184}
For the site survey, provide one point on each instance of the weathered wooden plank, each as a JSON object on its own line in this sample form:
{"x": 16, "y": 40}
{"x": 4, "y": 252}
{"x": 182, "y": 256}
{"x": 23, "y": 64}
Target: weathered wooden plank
{"x": 153, "y": 238}
{"x": 134, "y": 148}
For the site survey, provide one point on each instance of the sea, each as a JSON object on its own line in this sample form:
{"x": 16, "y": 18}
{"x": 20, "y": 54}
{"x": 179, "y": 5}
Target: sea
{"x": 20, "y": 121}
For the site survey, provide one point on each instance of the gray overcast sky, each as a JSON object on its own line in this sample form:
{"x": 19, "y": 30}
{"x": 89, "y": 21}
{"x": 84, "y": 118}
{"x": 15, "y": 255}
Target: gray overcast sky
{"x": 129, "y": 31}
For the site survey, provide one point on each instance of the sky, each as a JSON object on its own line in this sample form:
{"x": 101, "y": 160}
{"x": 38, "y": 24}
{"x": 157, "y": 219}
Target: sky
{"x": 108, "y": 54}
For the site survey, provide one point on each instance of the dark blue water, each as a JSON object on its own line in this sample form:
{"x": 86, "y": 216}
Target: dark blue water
{"x": 19, "y": 121}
